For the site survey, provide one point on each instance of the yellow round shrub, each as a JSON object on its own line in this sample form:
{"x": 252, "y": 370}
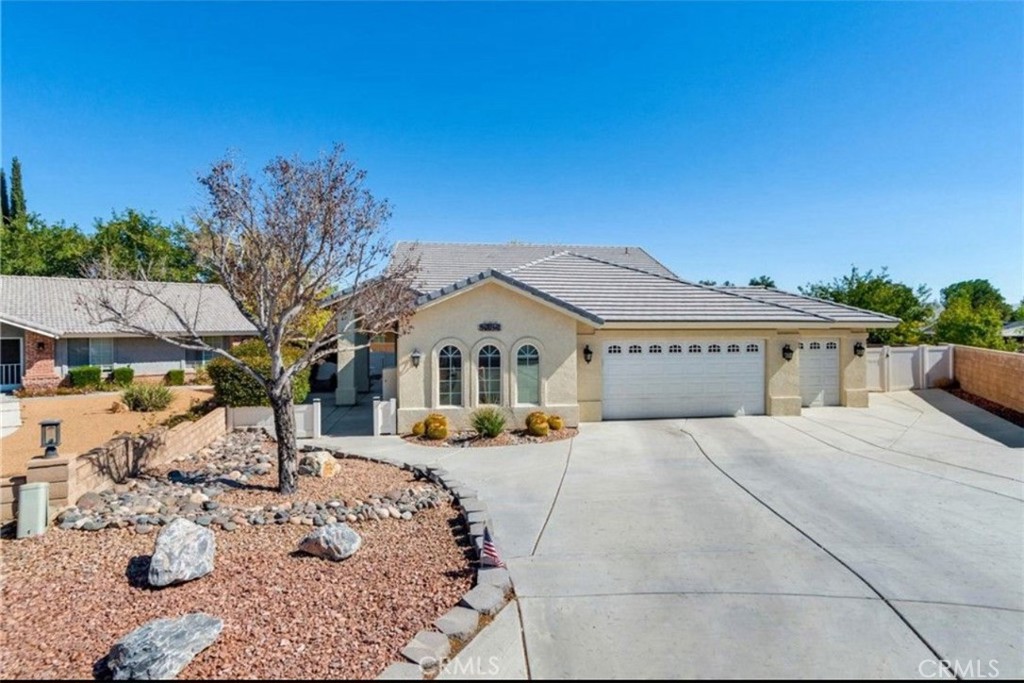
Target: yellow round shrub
{"x": 437, "y": 431}
{"x": 555, "y": 422}
{"x": 537, "y": 427}
{"x": 419, "y": 429}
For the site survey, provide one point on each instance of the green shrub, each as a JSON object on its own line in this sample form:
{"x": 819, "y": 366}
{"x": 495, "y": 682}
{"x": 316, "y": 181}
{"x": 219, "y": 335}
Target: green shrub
{"x": 146, "y": 398}
{"x": 85, "y": 376}
{"x": 174, "y": 378}
{"x": 201, "y": 376}
{"x": 555, "y": 422}
{"x": 419, "y": 429}
{"x": 233, "y": 386}
{"x": 538, "y": 428}
{"x": 122, "y": 377}
{"x": 436, "y": 426}
{"x": 489, "y": 422}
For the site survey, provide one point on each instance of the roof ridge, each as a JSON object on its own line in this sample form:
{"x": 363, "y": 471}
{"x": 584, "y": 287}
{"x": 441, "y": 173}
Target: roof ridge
{"x": 526, "y": 244}
{"x": 68, "y": 278}
{"x": 698, "y": 285}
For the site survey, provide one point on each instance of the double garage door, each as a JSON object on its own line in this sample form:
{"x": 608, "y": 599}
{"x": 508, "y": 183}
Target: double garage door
{"x": 682, "y": 378}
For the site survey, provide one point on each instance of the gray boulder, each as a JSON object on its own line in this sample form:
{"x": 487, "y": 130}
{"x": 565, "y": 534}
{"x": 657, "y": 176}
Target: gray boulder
{"x": 318, "y": 464}
{"x": 184, "y": 551}
{"x": 160, "y": 649}
{"x": 332, "y": 542}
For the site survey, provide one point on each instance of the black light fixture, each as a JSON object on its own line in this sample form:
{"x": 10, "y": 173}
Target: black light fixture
{"x": 40, "y": 346}
{"x": 49, "y": 437}
{"x": 588, "y": 354}
{"x": 858, "y": 349}
{"x": 415, "y": 357}
{"x": 787, "y": 352}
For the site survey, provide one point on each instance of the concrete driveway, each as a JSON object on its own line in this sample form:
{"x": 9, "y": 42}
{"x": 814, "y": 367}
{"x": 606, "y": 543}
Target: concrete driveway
{"x": 843, "y": 543}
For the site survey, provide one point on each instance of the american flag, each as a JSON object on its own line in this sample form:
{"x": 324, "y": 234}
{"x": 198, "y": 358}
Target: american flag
{"x": 490, "y": 554}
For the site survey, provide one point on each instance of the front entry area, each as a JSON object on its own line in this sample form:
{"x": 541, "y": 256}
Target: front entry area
{"x": 682, "y": 378}
{"x": 11, "y": 367}
{"x": 819, "y": 372}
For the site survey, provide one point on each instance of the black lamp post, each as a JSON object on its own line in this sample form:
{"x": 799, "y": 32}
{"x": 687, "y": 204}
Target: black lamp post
{"x": 787, "y": 352}
{"x": 49, "y": 437}
{"x": 415, "y": 357}
{"x": 588, "y": 354}
{"x": 858, "y": 349}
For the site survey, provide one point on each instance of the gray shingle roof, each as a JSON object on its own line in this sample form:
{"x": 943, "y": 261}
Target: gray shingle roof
{"x": 442, "y": 264}
{"x": 828, "y": 309}
{"x": 1014, "y": 329}
{"x": 50, "y": 304}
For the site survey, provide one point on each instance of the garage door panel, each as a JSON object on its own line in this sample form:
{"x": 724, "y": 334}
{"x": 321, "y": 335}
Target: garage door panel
{"x": 683, "y": 384}
{"x": 819, "y": 372}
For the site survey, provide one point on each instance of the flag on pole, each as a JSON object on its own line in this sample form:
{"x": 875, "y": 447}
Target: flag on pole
{"x": 490, "y": 552}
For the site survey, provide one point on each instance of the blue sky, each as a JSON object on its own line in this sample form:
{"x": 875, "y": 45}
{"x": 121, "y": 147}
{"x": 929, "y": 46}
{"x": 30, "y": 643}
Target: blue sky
{"x": 729, "y": 139}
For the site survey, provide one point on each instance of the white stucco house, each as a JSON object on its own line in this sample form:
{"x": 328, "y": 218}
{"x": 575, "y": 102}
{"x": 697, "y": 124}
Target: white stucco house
{"x": 605, "y": 333}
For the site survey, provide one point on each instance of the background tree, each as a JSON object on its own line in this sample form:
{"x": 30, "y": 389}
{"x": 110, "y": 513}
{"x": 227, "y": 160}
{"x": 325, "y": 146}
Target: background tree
{"x": 31, "y": 246}
{"x": 1018, "y": 313}
{"x": 130, "y": 239}
{"x": 276, "y": 244}
{"x": 5, "y": 201}
{"x": 714, "y": 283}
{"x": 18, "y": 207}
{"x": 980, "y": 294}
{"x": 878, "y": 292}
{"x": 762, "y": 281}
{"x": 962, "y": 323}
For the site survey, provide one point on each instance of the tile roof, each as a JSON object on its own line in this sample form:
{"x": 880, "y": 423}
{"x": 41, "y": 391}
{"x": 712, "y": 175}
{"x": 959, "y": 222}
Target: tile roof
{"x": 50, "y": 305}
{"x": 442, "y": 264}
{"x": 829, "y": 309}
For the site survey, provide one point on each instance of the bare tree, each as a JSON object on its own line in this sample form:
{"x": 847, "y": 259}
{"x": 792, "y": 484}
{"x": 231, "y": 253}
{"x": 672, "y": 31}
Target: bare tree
{"x": 304, "y": 255}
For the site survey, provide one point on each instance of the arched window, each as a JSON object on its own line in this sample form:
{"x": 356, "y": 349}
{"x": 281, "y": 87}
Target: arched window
{"x": 489, "y": 375}
{"x": 528, "y": 375}
{"x": 675, "y": 348}
{"x": 654, "y": 348}
{"x": 449, "y": 367}
{"x": 800, "y": 345}
{"x": 635, "y": 348}
{"x": 815, "y": 346}
{"x": 831, "y": 346}
{"x": 694, "y": 348}
{"x": 751, "y": 348}
{"x": 614, "y": 348}
{"x": 714, "y": 348}
{"x": 733, "y": 348}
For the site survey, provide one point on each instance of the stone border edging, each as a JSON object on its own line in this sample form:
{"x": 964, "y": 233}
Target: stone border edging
{"x": 492, "y": 590}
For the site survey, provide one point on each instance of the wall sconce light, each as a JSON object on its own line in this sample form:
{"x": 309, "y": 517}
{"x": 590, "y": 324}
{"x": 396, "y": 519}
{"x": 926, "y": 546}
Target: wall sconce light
{"x": 415, "y": 357}
{"x": 40, "y": 346}
{"x": 588, "y": 354}
{"x": 49, "y": 437}
{"x": 787, "y": 352}
{"x": 858, "y": 349}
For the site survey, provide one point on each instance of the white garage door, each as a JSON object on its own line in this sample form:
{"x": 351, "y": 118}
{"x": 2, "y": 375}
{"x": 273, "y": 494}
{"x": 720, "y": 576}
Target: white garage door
{"x": 682, "y": 378}
{"x": 819, "y": 372}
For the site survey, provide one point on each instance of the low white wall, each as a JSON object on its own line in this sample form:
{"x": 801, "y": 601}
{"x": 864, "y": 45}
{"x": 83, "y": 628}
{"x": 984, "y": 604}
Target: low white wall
{"x": 307, "y": 418}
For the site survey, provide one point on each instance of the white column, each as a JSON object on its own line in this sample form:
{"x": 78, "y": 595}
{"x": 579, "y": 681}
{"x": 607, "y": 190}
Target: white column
{"x": 345, "y": 394}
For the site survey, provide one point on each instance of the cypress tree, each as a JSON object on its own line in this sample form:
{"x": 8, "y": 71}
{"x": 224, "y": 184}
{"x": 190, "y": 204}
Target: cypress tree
{"x": 17, "y": 191}
{"x": 5, "y": 204}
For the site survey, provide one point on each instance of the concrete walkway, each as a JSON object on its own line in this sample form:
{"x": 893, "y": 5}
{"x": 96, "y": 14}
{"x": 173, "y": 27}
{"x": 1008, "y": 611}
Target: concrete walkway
{"x": 843, "y": 543}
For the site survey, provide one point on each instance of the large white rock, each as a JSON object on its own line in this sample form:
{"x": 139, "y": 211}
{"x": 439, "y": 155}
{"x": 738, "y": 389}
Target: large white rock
{"x": 184, "y": 551}
{"x": 160, "y": 649}
{"x": 318, "y": 464}
{"x": 332, "y": 542}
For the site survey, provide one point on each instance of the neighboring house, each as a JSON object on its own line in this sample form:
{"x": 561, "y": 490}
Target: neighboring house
{"x": 1014, "y": 331}
{"x": 44, "y": 330}
{"x": 602, "y": 333}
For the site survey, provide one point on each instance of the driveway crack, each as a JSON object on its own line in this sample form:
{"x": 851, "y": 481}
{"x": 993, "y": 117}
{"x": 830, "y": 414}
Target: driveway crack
{"x": 554, "y": 501}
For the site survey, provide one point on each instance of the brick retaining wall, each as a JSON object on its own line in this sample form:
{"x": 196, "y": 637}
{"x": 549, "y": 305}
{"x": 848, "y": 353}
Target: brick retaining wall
{"x": 995, "y": 375}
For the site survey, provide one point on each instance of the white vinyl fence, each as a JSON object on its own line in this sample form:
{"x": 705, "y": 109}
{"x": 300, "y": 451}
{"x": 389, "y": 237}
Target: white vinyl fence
{"x": 898, "y": 368}
{"x": 307, "y": 418}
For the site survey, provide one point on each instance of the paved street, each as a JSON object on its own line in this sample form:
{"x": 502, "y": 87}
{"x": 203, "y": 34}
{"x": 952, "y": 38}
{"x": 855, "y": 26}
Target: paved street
{"x": 841, "y": 543}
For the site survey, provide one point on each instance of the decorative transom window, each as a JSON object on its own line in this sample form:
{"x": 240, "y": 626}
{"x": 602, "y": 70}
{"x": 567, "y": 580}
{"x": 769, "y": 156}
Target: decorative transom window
{"x": 800, "y": 345}
{"x": 714, "y": 348}
{"x": 675, "y": 348}
{"x": 694, "y": 348}
{"x": 815, "y": 346}
{"x": 635, "y": 348}
{"x": 489, "y": 375}
{"x": 831, "y": 346}
{"x": 654, "y": 348}
{"x": 614, "y": 348}
{"x": 528, "y": 375}
{"x": 449, "y": 368}
{"x": 752, "y": 348}
{"x": 733, "y": 348}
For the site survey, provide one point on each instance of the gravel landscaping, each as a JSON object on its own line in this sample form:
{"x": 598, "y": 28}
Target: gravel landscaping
{"x": 72, "y": 594}
{"x": 470, "y": 439}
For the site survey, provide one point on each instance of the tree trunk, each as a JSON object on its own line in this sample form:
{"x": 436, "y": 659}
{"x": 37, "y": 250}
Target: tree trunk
{"x": 287, "y": 450}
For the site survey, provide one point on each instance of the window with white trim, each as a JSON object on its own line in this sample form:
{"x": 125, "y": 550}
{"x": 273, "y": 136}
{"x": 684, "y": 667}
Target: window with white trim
{"x": 197, "y": 358}
{"x": 488, "y": 371}
{"x": 528, "y": 375}
{"x": 752, "y": 348}
{"x": 714, "y": 348}
{"x": 635, "y": 348}
{"x": 449, "y": 369}
{"x": 91, "y": 351}
{"x": 675, "y": 348}
{"x": 654, "y": 348}
{"x": 733, "y": 348}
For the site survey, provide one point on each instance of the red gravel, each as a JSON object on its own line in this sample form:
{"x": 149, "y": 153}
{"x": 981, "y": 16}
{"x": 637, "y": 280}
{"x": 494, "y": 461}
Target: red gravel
{"x": 66, "y": 598}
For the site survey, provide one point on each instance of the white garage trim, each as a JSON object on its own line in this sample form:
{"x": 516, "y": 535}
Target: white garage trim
{"x": 819, "y": 372}
{"x": 682, "y": 378}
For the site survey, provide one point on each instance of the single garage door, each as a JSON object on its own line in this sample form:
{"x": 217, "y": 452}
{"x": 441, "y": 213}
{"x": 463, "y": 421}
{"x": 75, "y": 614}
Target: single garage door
{"x": 682, "y": 378}
{"x": 819, "y": 372}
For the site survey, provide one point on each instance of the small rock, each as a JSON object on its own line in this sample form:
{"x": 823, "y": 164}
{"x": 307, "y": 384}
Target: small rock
{"x": 407, "y": 516}
{"x": 89, "y": 500}
{"x": 184, "y": 551}
{"x": 333, "y": 542}
{"x": 211, "y": 505}
{"x": 143, "y": 528}
{"x": 160, "y": 649}
{"x": 198, "y": 498}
